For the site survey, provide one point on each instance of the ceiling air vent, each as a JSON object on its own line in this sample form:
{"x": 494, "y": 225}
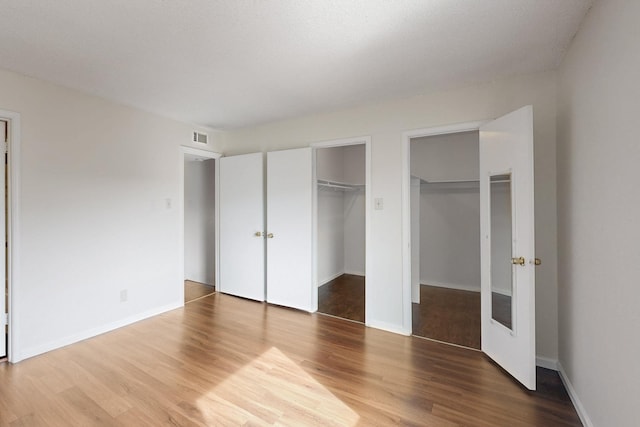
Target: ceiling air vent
{"x": 199, "y": 137}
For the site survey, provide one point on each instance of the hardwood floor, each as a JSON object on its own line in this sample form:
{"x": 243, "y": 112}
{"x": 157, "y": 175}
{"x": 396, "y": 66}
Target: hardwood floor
{"x": 448, "y": 315}
{"x": 194, "y": 290}
{"x": 343, "y": 297}
{"x": 227, "y": 361}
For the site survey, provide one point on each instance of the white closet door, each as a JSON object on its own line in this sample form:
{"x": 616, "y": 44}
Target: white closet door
{"x": 242, "y": 226}
{"x": 507, "y": 248}
{"x": 3, "y": 308}
{"x": 289, "y": 230}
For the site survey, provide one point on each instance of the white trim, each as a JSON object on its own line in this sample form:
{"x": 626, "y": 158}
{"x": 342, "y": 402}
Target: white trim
{"x": 366, "y": 140}
{"x": 204, "y": 154}
{"x": 72, "y": 339}
{"x": 406, "y": 203}
{"x": 450, "y": 286}
{"x": 389, "y": 327}
{"x": 354, "y": 273}
{"x": 582, "y": 413}
{"x": 13, "y": 231}
{"x": 547, "y": 362}
{"x": 341, "y": 142}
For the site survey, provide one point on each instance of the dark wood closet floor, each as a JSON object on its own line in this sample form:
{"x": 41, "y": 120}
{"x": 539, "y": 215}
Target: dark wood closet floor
{"x": 448, "y": 315}
{"x": 194, "y": 290}
{"x": 453, "y": 316}
{"x": 227, "y": 361}
{"x": 343, "y": 297}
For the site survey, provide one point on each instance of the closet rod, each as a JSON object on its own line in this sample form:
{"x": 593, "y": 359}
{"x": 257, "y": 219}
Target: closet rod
{"x": 449, "y": 181}
{"x": 338, "y": 185}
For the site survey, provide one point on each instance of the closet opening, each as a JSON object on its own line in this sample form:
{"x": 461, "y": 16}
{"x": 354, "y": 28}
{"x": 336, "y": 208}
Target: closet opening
{"x": 445, "y": 238}
{"x": 341, "y": 177}
{"x": 199, "y": 221}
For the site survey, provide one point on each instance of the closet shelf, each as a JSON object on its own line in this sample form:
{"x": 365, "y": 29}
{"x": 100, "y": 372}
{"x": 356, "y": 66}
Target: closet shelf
{"x": 451, "y": 181}
{"x": 339, "y": 186}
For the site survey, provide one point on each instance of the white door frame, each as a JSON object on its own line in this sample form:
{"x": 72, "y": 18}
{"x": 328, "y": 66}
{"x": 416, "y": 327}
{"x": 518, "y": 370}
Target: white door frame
{"x": 366, "y": 140}
{"x": 13, "y": 220}
{"x": 204, "y": 154}
{"x": 406, "y": 205}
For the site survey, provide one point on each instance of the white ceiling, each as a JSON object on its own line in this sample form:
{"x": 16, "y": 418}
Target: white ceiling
{"x": 236, "y": 63}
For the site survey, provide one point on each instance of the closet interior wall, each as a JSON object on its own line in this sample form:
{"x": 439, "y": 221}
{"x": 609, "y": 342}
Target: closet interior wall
{"x": 341, "y": 211}
{"x": 199, "y": 220}
{"x": 448, "y": 211}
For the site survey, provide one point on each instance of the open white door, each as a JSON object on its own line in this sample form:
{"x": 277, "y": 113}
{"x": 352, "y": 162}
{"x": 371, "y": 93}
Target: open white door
{"x": 3, "y": 308}
{"x": 507, "y": 248}
{"x": 289, "y": 228}
{"x": 242, "y": 226}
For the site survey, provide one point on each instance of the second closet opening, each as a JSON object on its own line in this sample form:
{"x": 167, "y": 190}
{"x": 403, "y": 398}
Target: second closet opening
{"x": 341, "y": 202}
{"x": 445, "y": 236}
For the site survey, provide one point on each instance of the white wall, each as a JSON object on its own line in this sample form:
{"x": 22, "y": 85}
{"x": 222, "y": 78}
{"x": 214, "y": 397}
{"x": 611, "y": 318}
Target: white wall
{"x": 354, "y": 210}
{"x": 199, "y": 221}
{"x": 354, "y": 231}
{"x": 354, "y": 164}
{"x": 330, "y": 167}
{"x": 450, "y": 236}
{"x": 330, "y": 164}
{"x": 415, "y": 240}
{"x": 598, "y": 211}
{"x": 452, "y": 156}
{"x": 385, "y": 122}
{"x": 96, "y": 182}
{"x": 330, "y": 235}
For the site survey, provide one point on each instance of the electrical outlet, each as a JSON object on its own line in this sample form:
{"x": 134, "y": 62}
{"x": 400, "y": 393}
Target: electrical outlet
{"x": 123, "y": 295}
{"x": 167, "y": 203}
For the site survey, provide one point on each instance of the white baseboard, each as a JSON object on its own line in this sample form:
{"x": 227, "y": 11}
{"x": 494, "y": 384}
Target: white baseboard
{"x": 330, "y": 278}
{"x": 450, "y": 285}
{"x": 396, "y": 329}
{"x": 72, "y": 339}
{"x": 354, "y": 273}
{"x": 547, "y": 362}
{"x": 582, "y": 413}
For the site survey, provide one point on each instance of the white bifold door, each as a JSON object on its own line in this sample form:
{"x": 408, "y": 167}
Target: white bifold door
{"x": 288, "y": 233}
{"x": 507, "y": 244}
{"x": 3, "y": 249}
{"x": 241, "y": 212}
{"x": 289, "y": 229}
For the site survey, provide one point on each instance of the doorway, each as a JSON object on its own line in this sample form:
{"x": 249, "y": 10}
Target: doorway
{"x": 4, "y": 303}
{"x": 507, "y": 238}
{"x": 445, "y": 244}
{"x": 199, "y": 223}
{"x": 9, "y": 173}
{"x": 341, "y": 227}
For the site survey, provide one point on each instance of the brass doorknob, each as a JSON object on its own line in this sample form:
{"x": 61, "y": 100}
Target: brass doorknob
{"x": 270, "y": 236}
{"x": 517, "y": 261}
{"x": 258, "y": 234}
{"x": 537, "y": 261}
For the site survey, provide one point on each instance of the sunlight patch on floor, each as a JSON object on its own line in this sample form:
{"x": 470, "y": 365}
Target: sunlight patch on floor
{"x": 272, "y": 389}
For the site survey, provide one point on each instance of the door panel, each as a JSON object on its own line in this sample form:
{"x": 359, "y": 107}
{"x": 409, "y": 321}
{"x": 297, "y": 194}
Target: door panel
{"x": 289, "y": 230}
{"x": 507, "y": 248}
{"x": 3, "y": 297}
{"x": 241, "y": 226}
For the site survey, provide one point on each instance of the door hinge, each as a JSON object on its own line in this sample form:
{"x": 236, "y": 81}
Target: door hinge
{"x": 4, "y": 319}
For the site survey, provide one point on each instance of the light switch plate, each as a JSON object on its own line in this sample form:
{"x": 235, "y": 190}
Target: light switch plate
{"x": 378, "y": 204}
